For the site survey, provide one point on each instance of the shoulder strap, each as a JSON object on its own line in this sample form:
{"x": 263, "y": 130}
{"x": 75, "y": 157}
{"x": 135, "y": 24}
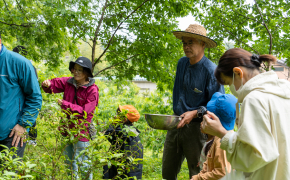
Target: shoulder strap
{"x": 76, "y": 98}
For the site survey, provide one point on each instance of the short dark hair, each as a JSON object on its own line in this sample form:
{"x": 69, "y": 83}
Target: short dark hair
{"x": 87, "y": 73}
{"x": 20, "y": 50}
{"x": 239, "y": 57}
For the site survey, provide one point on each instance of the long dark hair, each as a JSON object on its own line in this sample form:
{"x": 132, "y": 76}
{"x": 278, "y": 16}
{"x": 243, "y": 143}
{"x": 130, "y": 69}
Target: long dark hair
{"x": 208, "y": 146}
{"x": 239, "y": 57}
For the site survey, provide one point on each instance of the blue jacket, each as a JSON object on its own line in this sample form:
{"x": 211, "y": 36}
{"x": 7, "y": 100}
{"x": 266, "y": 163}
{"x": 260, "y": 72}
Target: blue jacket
{"x": 20, "y": 96}
{"x": 194, "y": 85}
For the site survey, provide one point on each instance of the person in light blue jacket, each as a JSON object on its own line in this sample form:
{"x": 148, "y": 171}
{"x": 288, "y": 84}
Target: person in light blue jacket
{"x": 20, "y": 99}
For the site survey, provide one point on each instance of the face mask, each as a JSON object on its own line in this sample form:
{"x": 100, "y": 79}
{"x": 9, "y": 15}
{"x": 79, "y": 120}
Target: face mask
{"x": 233, "y": 89}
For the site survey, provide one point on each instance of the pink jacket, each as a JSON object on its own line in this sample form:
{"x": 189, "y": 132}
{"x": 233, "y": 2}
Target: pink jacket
{"x": 87, "y": 99}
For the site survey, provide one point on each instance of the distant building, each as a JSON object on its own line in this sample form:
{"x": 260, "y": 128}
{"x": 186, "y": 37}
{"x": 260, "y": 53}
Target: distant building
{"x": 142, "y": 83}
{"x": 282, "y": 69}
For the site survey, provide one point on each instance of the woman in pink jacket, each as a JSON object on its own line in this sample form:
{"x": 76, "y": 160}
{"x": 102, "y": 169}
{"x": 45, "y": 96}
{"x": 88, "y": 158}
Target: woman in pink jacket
{"x": 80, "y": 97}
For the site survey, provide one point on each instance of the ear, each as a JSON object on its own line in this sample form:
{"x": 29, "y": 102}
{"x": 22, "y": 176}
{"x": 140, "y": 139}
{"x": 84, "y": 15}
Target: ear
{"x": 239, "y": 72}
{"x": 204, "y": 44}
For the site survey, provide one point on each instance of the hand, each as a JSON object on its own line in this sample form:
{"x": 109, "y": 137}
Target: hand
{"x": 19, "y": 135}
{"x": 186, "y": 118}
{"x": 60, "y": 101}
{"x": 201, "y": 125}
{"x": 46, "y": 83}
{"x": 212, "y": 125}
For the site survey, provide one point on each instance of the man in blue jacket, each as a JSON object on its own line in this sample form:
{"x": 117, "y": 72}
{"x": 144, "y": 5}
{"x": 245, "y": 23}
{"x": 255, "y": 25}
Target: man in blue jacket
{"x": 194, "y": 86}
{"x": 20, "y": 99}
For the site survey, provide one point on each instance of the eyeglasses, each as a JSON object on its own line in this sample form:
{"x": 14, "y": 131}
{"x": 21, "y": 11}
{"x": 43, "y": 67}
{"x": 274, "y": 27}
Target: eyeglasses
{"x": 78, "y": 70}
{"x": 190, "y": 43}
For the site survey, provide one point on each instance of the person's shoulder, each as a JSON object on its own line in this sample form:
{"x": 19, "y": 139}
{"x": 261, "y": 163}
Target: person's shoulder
{"x": 93, "y": 89}
{"x": 217, "y": 141}
{"x": 209, "y": 65}
{"x": 255, "y": 97}
{"x": 17, "y": 58}
{"x": 183, "y": 60}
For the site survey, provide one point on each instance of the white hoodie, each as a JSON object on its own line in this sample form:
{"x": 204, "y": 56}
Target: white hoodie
{"x": 261, "y": 146}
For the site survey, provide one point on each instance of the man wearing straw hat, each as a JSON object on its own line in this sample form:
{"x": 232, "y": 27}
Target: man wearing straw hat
{"x": 194, "y": 86}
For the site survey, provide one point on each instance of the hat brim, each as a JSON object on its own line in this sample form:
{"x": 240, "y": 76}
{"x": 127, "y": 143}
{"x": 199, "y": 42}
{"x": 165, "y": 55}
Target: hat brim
{"x": 72, "y": 64}
{"x": 209, "y": 42}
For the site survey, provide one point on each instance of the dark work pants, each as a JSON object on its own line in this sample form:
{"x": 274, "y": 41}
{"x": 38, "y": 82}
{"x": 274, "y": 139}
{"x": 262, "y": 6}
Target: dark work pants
{"x": 8, "y": 142}
{"x": 186, "y": 142}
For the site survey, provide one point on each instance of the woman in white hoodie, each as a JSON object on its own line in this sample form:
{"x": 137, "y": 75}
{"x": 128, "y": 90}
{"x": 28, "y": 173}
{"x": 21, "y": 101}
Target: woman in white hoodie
{"x": 261, "y": 146}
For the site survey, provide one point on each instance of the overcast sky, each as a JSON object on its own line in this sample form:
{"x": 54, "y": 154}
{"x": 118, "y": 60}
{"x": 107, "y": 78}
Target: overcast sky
{"x": 185, "y": 21}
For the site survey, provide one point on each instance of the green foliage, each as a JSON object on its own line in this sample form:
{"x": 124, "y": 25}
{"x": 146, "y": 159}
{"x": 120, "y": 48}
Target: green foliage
{"x": 50, "y": 143}
{"x": 125, "y": 38}
{"x": 9, "y": 165}
{"x": 36, "y": 25}
{"x": 261, "y": 27}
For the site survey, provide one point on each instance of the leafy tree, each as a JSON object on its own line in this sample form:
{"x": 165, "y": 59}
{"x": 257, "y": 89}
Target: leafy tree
{"x": 261, "y": 27}
{"x": 135, "y": 35}
{"x": 35, "y": 25}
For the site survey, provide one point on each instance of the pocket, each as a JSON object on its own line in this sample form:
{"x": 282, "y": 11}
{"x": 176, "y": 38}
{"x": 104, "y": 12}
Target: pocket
{"x": 193, "y": 98}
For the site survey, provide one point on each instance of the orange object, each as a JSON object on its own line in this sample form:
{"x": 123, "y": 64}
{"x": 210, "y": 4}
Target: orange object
{"x": 132, "y": 115}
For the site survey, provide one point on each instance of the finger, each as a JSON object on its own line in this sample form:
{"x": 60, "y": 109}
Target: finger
{"x": 22, "y": 142}
{"x": 180, "y": 124}
{"x": 206, "y": 118}
{"x": 11, "y": 134}
{"x": 213, "y": 116}
{"x": 17, "y": 141}
{"x": 14, "y": 139}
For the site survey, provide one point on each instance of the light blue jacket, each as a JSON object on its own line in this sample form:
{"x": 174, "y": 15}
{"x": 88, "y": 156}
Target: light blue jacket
{"x": 20, "y": 96}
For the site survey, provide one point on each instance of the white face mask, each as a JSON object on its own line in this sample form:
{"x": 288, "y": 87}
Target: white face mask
{"x": 233, "y": 88}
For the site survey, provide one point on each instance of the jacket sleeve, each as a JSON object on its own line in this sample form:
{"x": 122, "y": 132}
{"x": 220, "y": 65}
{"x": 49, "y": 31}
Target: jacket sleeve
{"x": 33, "y": 99}
{"x": 88, "y": 107}
{"x": 218, "y": 165}
{"x": 57, "y": 85}
{"x": 177, "y": 88}
{"x": 253, "y": 146}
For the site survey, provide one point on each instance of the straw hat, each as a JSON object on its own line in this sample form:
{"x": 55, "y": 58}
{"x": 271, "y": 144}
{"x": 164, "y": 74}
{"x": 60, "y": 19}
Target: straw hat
{"x": 198, "y": 32}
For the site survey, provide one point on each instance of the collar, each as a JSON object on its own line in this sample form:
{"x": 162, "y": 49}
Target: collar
{"x": 73, "y": 82}
{"x": 2, "y": 49}
{"x": 198, "y": 63}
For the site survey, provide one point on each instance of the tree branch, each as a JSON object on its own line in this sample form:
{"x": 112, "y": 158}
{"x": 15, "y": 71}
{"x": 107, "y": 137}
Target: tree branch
{"x": 6, "y": 5}
{"x": 97, "y": 33}
{"x": 20, "y": 7}
{"x": 117, "y": 30}
{"x": 245, "y": 16}
{"x": 21, "y": 25}
{"x": 270, "y": 35}
{"x": 115, "y": 64}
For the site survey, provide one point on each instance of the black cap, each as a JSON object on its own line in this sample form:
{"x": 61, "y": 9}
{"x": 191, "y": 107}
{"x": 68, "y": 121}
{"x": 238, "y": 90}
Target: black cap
{"x": 84, "y": 62}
